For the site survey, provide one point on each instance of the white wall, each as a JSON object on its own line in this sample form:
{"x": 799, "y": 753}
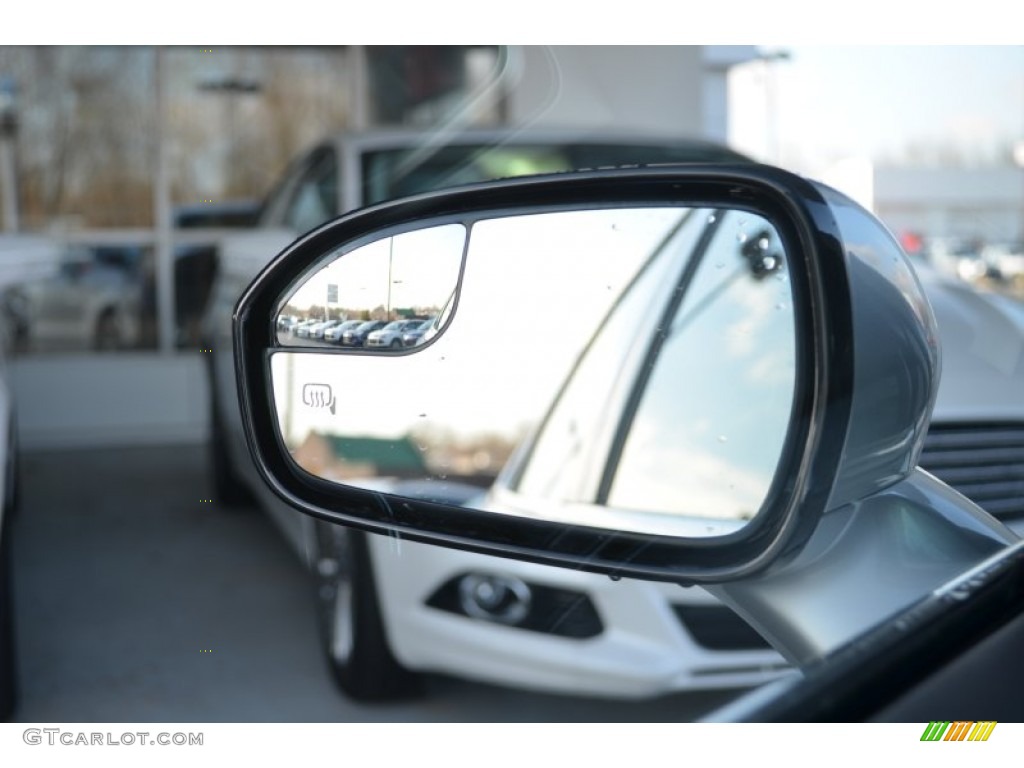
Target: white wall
{"x": 110, "y": 399}
{"x": 952, "y": 202}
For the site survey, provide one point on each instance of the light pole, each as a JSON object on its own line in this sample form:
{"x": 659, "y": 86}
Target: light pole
{"x": 8, "y": 172}
{"x": 231, "y": 87}
{"x": 164, "y": 274}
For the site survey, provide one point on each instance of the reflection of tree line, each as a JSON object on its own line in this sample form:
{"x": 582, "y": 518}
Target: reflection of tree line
{"x": 478, "y": 455}
{"x": 427, "y": 451}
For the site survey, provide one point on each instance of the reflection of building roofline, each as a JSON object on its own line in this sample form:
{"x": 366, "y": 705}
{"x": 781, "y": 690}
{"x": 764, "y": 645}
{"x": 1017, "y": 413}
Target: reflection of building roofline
{"x": 393, "y": 457}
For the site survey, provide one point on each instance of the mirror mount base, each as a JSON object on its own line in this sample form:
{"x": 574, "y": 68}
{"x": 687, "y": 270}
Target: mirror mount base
{"x": 872, "y": 558}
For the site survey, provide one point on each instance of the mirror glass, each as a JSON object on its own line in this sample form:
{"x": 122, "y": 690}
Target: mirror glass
{"x": 380, "y": 297}
{"x": 630, "y": 369}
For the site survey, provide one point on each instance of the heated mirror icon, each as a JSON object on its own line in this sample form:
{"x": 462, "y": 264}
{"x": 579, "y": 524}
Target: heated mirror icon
{"x": 318, "y": 396}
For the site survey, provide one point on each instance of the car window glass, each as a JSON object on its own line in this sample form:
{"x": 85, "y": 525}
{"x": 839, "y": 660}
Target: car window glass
{"x": 738, "y": 308}
{"x": 315, "y": 199}
{"x": 556, "y": 467}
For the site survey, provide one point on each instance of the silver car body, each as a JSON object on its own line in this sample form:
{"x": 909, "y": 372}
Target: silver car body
{"x": 77, "y": 299}
{"x": 391, "y": 334}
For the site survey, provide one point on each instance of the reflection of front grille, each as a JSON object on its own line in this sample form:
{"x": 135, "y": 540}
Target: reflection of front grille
{"x": 985, "y": 462}
{"x": 718, "y": 628}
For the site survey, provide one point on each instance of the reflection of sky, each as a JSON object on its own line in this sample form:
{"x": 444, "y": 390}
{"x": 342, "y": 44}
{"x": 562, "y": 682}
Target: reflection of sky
{"x": 707, "y": 436}
{"x": 420, "y": 268}
{"x": 535, "y": 289}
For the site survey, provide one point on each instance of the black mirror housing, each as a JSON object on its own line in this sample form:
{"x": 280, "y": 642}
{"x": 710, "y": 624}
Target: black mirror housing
{"x": 813, "y": 451}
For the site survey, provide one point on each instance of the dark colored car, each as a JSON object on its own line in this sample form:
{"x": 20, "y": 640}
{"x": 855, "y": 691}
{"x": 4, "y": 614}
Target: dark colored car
{"x": 357, "y": 336}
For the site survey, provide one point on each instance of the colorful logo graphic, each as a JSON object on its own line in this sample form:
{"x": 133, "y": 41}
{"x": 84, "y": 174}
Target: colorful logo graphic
{"x": 958, "y": 731}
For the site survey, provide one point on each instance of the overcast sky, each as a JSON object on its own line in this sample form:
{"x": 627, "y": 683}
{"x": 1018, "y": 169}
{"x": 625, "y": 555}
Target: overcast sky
{"x": 879, "y": 101}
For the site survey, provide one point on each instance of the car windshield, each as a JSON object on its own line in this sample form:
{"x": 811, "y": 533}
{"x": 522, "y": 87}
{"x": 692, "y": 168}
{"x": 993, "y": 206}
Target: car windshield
{"x": 395, "y": 173}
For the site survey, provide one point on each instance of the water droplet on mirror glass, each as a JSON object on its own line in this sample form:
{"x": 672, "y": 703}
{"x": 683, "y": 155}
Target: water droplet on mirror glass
{"x": 763, "y": 243}
{"x": 723, "y": 439}
{"x": 769, "y": 263}
{"x": 614, "y": 577}
{"x": 781, "y": 278}
{"x": 741, "y": 237}
{"x": 780, "y": 306}
{"x": 711, "y": 219}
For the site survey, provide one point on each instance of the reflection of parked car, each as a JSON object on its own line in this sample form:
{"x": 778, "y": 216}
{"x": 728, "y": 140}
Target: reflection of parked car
{"x": 356, "y": 337}
{"x": 391, "y": 334}
{"x": 417, "y": 334}
{"x": 334, "y": 335}
{"x": 93, "y": 300}
{"x": 1007, "y": 259}
{"x": 301, "y": 329}
{"x": 285, "y": 323}
{"x": 318, "y": 330}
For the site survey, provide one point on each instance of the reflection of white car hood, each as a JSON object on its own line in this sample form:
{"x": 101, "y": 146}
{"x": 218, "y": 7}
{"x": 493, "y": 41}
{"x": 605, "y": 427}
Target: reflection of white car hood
{"x": 982, "y": 337}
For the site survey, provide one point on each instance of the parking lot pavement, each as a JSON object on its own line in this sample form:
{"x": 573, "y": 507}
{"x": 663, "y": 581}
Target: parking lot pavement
{"x": 138, "y": 602}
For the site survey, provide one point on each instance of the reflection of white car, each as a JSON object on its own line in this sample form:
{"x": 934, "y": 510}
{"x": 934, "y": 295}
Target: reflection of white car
{"x": 391, "y": 608}
{"x": 334, "y": 335}
{"x": 391, "y": 334}
{"x": 1006, "y": 258}
{"x": 318, "y": 330}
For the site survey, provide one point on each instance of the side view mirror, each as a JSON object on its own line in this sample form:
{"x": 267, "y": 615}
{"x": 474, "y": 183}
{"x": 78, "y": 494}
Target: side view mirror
{"x": 650, "y": 373}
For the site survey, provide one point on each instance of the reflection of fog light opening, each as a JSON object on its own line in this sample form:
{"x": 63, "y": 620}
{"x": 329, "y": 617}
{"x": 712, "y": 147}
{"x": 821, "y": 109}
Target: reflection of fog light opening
{"x": 517, "y": 604}
{"x": 494, "y": 598}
